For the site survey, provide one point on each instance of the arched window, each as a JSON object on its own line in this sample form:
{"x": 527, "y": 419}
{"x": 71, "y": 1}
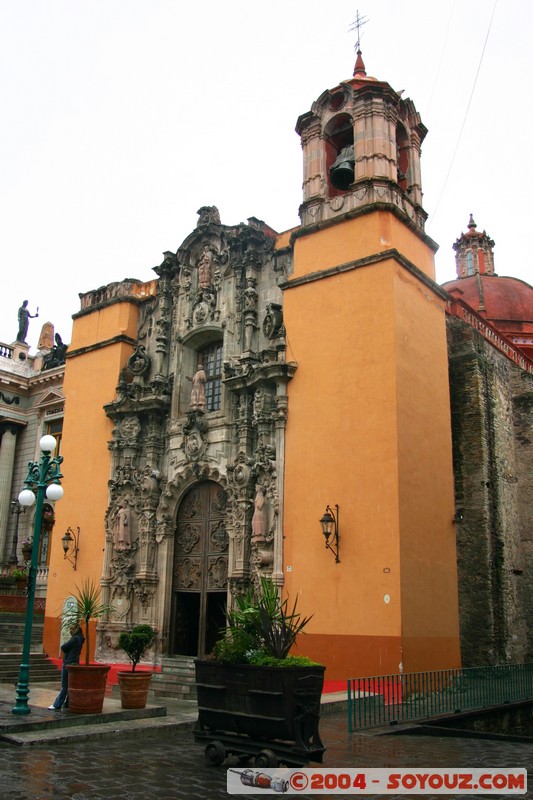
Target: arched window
{"x": 211, "y": 359}
{"x": 469, "y": 263}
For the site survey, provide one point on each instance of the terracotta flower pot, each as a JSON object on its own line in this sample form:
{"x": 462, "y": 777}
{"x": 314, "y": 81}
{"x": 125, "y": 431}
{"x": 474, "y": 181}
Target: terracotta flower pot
{"x": 134, "y": 687}
{"x": 86, "y": 687}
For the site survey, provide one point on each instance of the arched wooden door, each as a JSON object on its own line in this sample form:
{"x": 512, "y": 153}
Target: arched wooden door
{"x": 200, "y": 571}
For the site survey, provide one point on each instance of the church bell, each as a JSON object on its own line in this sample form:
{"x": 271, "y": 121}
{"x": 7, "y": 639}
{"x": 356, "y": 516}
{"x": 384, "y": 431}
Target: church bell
{"x": 341, "y": 172}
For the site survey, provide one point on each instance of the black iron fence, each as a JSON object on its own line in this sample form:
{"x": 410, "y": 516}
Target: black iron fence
{"x": 390, "y": 699}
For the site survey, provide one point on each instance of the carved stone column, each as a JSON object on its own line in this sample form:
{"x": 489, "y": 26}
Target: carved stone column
{"x": 7, "y": 459}
{"x": 281, "y": 425}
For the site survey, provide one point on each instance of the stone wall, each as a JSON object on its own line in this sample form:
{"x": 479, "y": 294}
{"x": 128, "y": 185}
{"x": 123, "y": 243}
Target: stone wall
{"x": 491, "y": 402}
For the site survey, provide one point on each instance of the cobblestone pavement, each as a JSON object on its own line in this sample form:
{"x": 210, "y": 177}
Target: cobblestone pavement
{"x": 173, "y": 767}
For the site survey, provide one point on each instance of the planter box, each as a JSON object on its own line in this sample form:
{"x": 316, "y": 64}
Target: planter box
{"x": 277, "y": 704}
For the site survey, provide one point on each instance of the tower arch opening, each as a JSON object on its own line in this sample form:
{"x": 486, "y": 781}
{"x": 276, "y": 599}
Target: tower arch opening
{"x": 339, "y": 139}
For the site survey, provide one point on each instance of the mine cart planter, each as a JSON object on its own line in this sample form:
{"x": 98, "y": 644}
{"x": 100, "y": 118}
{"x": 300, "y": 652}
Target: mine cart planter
{"x": 256, "y": 710}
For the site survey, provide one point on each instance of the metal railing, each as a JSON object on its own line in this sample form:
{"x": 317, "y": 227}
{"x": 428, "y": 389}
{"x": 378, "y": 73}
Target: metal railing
{"x": 391, "y": 699}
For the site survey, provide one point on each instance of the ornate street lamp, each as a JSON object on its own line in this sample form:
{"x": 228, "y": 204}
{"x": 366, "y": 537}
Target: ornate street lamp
{"x": 43, "y": 476}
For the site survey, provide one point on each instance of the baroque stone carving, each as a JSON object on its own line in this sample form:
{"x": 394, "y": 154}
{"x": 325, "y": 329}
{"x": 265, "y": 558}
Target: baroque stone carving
{"x": 208, "y": 215}
{"x": 139, "y": 361}
{"x": 130, "y": 428}
{"x": 273, "y": 320}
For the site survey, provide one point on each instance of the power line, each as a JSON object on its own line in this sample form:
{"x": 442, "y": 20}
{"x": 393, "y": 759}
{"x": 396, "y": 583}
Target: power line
{"x": 434, "y": 214}
{"x": 442, "y": 53}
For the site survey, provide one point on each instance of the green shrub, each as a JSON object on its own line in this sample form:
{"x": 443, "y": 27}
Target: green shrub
{"x": 264, "y": 660}
{"x": 136, "y": 642}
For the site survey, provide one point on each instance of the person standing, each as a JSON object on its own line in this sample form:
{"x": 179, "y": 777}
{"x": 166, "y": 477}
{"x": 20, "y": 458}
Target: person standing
{"x": 71, "y": 655}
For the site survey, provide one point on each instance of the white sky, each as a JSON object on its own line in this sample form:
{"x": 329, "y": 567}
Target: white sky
{"x": 122, "y": 117}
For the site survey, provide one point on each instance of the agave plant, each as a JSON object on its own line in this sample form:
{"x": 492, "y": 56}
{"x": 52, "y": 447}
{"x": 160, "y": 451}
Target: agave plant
{"x": 261, "y": 626}
{"x": 88, "y": 606}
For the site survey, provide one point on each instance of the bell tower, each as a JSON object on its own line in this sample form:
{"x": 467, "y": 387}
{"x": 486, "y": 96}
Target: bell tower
{"x": 368, "y": 426}
{"x": 361, "y": 146}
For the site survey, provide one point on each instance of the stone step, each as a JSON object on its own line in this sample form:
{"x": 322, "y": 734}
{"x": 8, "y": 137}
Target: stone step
{"x": 41, "y": 668}
{"x": 177, "y": 669}
{"x": 165, "y": 726}
{"x": 174, "y": 692}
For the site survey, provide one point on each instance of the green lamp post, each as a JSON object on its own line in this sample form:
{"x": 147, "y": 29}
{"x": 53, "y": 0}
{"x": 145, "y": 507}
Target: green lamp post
{"x": 43, "y": 476}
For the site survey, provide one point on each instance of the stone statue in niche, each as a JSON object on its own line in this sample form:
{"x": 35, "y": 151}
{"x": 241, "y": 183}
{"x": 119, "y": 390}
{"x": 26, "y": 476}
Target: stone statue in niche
{"x": 122, "y": 527}
{"x": 250, "y": 295}
{"x": 259, "y": 515}
{"x": 205, "y": 268}
{"x": 198, "y": 390}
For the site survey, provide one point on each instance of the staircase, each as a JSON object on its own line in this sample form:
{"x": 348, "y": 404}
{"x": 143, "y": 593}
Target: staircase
{"x": 176, "y": 680}
{"x": 42, "y": 670}
{"x": 12, "y": 626}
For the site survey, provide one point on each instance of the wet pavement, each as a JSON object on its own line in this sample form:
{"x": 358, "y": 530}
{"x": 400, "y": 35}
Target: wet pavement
{"x": 170, "y": 766}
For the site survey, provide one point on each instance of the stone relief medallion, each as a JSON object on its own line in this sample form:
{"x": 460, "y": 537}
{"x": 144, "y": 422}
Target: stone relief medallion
{"x": 241, "y": 474}
{"x": 188, "y": 538}
{"x": 217, "y": 572}
{"x": 120, "y": 601}
{"x": 194, "y": 445}
{"x": 188, "y": 573}
{"x": 139, "y": 361}
{"x": 130, "y": 428}
{"x": 200, "y": 313}
{"x": 272, "y": 321}
{"x": 337, "y": 203}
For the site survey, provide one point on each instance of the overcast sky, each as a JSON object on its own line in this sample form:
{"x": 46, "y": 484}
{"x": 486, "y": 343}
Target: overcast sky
{"x": 122, "y": 117}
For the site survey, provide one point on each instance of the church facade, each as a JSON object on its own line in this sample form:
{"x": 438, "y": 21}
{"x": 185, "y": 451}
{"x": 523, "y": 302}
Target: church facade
{"x": 214, "y": 414}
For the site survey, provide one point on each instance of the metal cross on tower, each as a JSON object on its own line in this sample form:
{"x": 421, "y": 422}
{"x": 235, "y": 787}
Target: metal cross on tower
{"x": 356, "y": 26}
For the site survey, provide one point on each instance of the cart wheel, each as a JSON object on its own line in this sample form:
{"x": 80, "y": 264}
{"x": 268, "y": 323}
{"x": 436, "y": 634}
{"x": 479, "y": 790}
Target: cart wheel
{"x": 215, "y": 753}
{"x": 266, "y": 758}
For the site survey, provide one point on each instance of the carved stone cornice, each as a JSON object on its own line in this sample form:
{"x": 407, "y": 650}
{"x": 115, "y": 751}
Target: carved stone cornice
{"x": 246, "y": 375}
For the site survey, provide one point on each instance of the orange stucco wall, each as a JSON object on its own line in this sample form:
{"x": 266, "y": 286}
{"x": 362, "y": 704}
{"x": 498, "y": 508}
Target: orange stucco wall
{"x": 369, "y": 429}
{"x": 357, "y": 238}
{"x": 90, "y": 380}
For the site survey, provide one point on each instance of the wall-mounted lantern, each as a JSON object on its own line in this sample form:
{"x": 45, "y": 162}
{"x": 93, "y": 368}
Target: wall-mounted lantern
{"x": 330, "y": 529}
{"x": 71, "y": 544}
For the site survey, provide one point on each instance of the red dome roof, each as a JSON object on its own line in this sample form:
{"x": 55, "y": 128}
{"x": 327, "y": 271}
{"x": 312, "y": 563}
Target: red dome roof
{"x": 495, "y": 298}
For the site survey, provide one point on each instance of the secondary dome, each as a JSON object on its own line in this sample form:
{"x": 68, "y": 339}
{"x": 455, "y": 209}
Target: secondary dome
{"x": 505, "y": 302}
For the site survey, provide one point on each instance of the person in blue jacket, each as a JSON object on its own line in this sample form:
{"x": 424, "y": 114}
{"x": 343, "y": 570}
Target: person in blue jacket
{"x": 71, "y": 655}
